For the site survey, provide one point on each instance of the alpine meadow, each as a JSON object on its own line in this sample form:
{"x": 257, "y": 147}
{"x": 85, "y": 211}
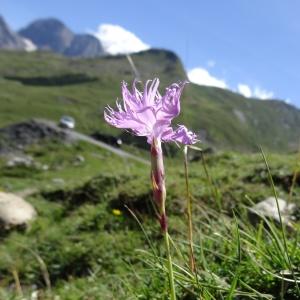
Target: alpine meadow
{"x": 120, "y": 179}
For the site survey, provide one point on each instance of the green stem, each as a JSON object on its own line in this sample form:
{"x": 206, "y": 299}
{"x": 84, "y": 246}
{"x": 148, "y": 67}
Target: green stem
{"x": 170, "y": 266}
{"x": 189, "y": 212}
{"x": 159, "y": 195}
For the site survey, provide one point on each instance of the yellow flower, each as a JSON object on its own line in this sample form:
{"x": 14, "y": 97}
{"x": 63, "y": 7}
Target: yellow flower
{"x": 116, "y": 212}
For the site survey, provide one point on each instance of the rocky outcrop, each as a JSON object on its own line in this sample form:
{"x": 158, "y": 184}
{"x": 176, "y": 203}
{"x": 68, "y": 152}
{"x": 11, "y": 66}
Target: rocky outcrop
{"x": 16, "y": 137}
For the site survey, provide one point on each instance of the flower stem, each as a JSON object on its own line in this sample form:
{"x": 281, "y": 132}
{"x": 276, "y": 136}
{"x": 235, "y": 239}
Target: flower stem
{"x": 159, "y": 196}
{"x": 189, "y": 213}
{"x": 170, "y": 266}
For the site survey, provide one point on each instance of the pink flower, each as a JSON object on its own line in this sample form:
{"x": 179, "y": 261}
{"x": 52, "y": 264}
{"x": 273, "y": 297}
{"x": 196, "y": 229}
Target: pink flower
{"x": 149, "y": 114}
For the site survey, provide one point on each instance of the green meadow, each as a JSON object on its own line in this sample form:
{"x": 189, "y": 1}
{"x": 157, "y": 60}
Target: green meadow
{"x": 96, "y": 235}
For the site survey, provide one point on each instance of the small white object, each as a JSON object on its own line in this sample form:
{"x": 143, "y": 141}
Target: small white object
{"x": 67, "y": 122}
{"x": 15, "y": 210}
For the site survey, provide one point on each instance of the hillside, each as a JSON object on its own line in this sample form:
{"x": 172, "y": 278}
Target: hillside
{"x": 95, "y": 234}
{"x": 46, "y": 85}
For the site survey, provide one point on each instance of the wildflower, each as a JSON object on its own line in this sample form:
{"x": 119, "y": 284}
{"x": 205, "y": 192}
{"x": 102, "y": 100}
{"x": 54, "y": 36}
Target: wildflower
{"x": 116, "y": 212}
{"x": 150, "y": 114}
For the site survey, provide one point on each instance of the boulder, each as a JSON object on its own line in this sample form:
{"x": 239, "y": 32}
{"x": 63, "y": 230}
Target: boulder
{"x": 15, "y": 211}
{"x": 268, "y": 209}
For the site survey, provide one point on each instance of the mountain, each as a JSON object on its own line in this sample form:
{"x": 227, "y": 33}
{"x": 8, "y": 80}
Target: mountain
{"x": 9, "y": 39}
{"x": 84, "y": 45}
{"x": 52, "y": 34}
{"x": 45, "y": 85}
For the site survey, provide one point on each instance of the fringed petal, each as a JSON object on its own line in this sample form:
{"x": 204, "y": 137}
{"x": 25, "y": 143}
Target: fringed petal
{"x": 150, "y": 114}
{"x": 181, "y": 135}
{"x": 169, "y": 106}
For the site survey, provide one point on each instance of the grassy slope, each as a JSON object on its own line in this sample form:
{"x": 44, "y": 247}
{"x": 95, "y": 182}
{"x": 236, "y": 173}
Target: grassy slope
{"x": 90, "y": 253}
{"x": 273, "y": 124}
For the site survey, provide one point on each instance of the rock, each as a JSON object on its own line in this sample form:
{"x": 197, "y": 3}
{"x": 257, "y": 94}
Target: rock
{"x": 58, "y": 181}
{"x": 25, "y": 161}
{"x": 14, "y": 138}
{"x": 79, "y": 159}
{"x": 268, "y": 208}
{"x": 15, "y": 211}
{"x": 19, "y": 161}
{"x": 45, "y": 167}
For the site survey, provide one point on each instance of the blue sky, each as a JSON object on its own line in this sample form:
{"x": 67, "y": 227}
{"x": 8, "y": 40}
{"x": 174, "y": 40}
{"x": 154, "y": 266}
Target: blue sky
{"x": 250, "y": 44}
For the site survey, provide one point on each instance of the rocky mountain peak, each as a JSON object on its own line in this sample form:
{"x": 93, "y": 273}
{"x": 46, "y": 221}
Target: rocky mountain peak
{"x": 9, "y": 39}
{"x": 49, "y": 34}
{"x": 52, "y": 34}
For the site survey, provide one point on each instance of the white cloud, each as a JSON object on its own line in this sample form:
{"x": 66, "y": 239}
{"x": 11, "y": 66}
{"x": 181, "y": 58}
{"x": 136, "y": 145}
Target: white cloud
{"x": 203, "y": 77}
{"x": 245, "y": 90}
{"x": 262, "y": 94}
{"x": 257, "y": 92}
{"x": 117, "y": 40}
